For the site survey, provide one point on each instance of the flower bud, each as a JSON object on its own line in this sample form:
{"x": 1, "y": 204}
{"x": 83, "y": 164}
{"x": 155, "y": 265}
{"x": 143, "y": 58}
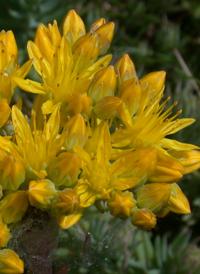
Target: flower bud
{"x": 168, "y": 169}
{"x": 85, "y": 51}
{"x": 121, "y": 203}
{"x": 13, "y": 207}
{"x": 130, "y": 92}
{"x": 125, "y": 69}
{"x": 104, "y": 84}
{"x": 12, "y": 173}
{"x": 41, "y": 193}
{"x": 140, "y": 163}
{"x": 153, "y": 83}
{"x": 5, "y": 234}
{"x": 107, "y": 107}
{"x": 153, "y": 196}
{"x": 190, "y": 159}
{"x": 97, "y": 24}
{"x": 79, "y": 103}
{"x": 144, "y": 219}
{"x": 10, "y": 262}
{"x": 67, "y": 202}
{"x": 48, "y": 39}
{"x": 178, "y": 202}
{"x": 76, "y": 132}
{"x": 105, "y": 35}
{"x": 73, "y": 27}
{"x": 65, "y": 169}
{"x": 9, "y": 41}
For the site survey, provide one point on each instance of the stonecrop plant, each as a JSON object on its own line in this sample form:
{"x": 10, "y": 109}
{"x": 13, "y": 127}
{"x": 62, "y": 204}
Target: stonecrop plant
{"x": 96, "y": 136}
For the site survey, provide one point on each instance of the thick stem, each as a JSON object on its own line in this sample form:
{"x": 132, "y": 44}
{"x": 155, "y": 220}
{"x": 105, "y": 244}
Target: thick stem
{"x": 34, "y": 239}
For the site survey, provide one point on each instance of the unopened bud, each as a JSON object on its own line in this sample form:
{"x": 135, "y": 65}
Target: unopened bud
{"x": 73, "y": 27}
{"x": 144, "y": 219}
{"x": 125, "y": 69}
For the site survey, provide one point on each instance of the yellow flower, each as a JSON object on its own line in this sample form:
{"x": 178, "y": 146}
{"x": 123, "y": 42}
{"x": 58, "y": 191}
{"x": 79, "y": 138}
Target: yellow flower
{"x": 13, "y": 207}
{"x": 37, "y": 147}
{"x": 99, "y": 177}
{"x": 67, "y": 64}
{"x": 121, "y": 203}
{"x": 153, "y": 196}
{"x": 4, "y": 234}
{"x": 144, "y": 219}
{"x": 41, "y": 193}
{"x": 149, "y": 125}
{"x": 10, "y": 262}
{"x": 178, "y": 202}
{"x": 9, "y": 67}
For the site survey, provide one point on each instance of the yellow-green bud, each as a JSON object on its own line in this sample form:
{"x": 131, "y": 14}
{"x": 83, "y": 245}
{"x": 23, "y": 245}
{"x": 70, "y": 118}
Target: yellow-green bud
{"x": 73, "y": 27}
{"x": 10, "y": 262}
{"x": 13, "y": 206}
{"x": 76, "y": 132}
{"x": 144, "y": 219}
{"x": 41, "y": 193}
{"x": 121, "y": 203}
{"x": 153, "y": 196}
{"x": 178, "y": 202}
{"x": 125, "y": 69}
{"x": 103, "y": 84}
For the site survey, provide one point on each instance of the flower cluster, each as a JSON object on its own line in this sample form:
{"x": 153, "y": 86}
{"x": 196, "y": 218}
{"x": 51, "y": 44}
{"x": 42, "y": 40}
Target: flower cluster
{"x": 96, "y": 135}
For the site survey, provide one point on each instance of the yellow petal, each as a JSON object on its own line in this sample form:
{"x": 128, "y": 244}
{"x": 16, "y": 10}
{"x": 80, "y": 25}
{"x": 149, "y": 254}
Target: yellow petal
{"x": 30, "y": 86}
{"x": 66, "y": 222}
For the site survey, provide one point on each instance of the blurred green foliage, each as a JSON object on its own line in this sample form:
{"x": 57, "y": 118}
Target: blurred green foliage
{"x": 158, "y": 35}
